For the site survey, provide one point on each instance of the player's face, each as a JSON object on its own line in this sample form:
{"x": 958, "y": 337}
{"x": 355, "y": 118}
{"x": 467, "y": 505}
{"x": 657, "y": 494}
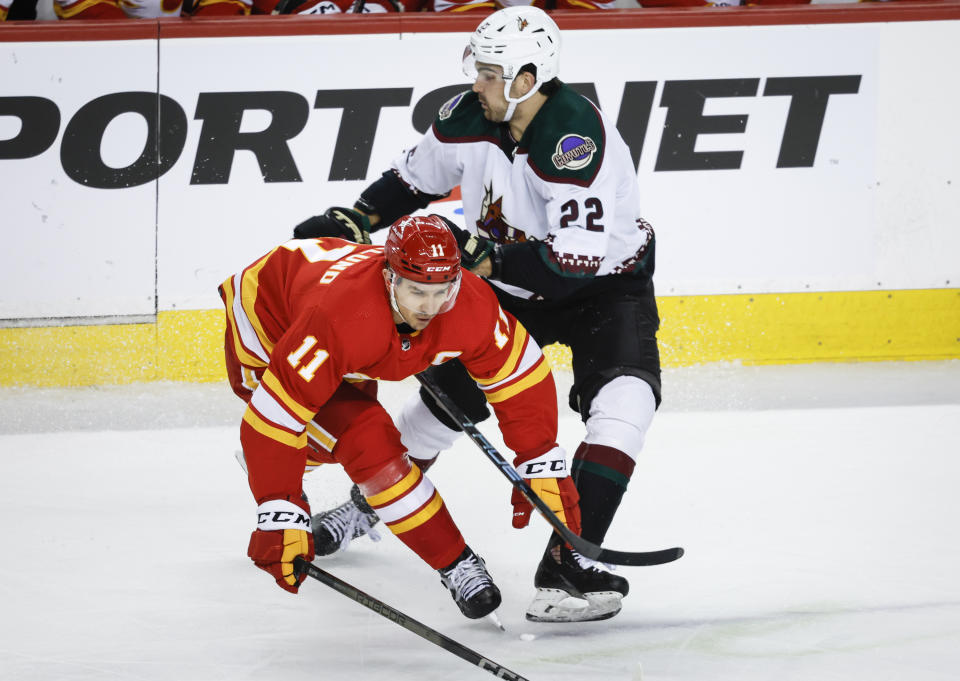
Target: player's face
{"x": 489, "y": 88}
{"x": 419, "y": 303}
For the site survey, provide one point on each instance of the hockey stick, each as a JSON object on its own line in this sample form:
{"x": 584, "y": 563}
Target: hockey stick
{"x": 587, "y": 548}
{"x": 408, "y": 623}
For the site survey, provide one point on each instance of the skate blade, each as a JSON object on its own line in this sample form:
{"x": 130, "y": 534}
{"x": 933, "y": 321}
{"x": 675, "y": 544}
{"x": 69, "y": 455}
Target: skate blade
{"x": 492, "y": 617}
{"x": 554, "y": 605}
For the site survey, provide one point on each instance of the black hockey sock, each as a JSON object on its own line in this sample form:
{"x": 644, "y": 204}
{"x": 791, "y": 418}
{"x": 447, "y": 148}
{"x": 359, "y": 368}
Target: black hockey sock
{"x": 601, "y": 475}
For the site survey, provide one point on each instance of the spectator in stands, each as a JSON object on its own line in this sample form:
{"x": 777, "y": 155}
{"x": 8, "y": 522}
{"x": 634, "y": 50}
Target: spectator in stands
{"x": 368, "y": 6}
{"x": 143, "y": 9}
{"x": 551, "y": 5}
{"x": 718, "y": 3}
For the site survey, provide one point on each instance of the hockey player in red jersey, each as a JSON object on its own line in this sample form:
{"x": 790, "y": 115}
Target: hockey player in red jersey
{"x": 312, "y": 325}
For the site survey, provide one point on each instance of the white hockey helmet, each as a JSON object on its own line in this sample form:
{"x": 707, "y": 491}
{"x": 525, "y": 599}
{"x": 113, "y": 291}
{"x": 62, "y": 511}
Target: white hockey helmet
{"x": 512, "y": 38}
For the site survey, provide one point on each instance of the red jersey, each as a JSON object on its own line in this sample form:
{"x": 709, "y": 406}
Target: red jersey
{"x": 315, "y": 312}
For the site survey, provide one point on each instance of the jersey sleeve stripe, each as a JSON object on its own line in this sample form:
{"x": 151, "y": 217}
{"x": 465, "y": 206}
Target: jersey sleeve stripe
{"x": 249, "y": 282}
{"x": 274, "y": 412}
{"x": 321, "y": 436}
{"x": 284, "y": 437}
{"x": 582, "y": 5}
{"x": 248, "y": 335}
{"x": 396, "y": 490}
{"x": 68, "y": 10}
{"x": 540, "y": 372}
{"x": 509, "y": 367}
{"x": 294, "y": 407}
{"x": 419, "y": 518}
{"x": 531, "y": 355}
{"x": 246, "y": 357}
{"x": 407, "y": 504}
{"x": 250, "y": 381}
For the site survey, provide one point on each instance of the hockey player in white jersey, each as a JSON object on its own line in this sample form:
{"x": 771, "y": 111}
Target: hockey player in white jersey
{"x": 552, "y": 210}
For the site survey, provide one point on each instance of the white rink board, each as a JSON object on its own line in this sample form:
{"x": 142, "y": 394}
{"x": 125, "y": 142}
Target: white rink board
{"x": 734, "y": 237}
{"x": 207, "y": 232}
{"x": 876, "y": 210}
{"x": 69, "y": 250}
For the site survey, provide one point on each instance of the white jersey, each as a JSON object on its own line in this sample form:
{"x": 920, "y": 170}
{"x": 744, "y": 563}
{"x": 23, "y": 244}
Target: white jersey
{"x": 569, "y": 183}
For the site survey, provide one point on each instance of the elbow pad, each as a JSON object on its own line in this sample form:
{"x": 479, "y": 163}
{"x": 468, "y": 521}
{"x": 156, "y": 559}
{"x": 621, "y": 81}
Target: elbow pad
{"x": 391, "y": 198}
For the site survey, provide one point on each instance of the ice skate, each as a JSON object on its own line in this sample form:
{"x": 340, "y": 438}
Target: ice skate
{"x": 470, "y": 585}
{"x": 333, "y": 530}
{"x": 573, "y": 588}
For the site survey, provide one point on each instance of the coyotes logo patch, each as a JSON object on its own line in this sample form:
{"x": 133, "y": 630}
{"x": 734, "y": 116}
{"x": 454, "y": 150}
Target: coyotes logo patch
{"x": 574, "y": 152}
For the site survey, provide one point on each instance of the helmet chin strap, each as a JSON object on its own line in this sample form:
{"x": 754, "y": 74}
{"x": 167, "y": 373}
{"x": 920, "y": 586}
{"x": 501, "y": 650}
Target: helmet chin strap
{"x": 513, "y": 101}
{"x": 393, "y": 297}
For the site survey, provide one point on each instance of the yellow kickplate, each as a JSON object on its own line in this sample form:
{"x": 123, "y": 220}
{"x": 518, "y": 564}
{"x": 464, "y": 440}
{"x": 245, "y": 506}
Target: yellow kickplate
{"x": 788, "y": 328}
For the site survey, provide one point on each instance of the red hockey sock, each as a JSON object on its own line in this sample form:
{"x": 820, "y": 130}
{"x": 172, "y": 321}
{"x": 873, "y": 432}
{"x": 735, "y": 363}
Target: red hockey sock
{"x": 414, "y": 511}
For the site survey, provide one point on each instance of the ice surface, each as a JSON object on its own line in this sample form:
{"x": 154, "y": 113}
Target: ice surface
{"x": 818, "y": 506}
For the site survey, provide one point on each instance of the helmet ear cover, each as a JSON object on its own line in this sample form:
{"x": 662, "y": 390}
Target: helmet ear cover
{"x": 391, "y": 198}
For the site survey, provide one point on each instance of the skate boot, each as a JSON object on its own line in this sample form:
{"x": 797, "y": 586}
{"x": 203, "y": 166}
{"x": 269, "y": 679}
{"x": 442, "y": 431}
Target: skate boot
{"x": 565, "y": 574}
{"x": 333, "y": 530}
{"x": 470, "y": 585}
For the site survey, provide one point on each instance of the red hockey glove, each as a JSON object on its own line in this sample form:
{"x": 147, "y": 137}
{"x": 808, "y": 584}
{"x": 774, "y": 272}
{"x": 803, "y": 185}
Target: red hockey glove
{"x": 282, "y": 534}
{"x": 547, "y": 476}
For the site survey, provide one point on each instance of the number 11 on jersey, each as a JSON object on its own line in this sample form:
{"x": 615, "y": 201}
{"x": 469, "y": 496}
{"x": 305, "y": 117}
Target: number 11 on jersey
{"x": 307, "y": 371}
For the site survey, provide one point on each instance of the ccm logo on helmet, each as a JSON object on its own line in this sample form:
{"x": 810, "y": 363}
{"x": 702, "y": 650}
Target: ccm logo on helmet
{"x": 445, "y": 268}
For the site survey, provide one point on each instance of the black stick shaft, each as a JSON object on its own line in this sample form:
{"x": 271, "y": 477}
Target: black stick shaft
{"x": 588, "y": 549}
{"x": 408, "y": 623}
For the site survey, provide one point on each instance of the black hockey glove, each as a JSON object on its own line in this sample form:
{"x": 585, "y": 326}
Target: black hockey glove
{"x": 475, "y": 249}
{"x": 343, "y": 223}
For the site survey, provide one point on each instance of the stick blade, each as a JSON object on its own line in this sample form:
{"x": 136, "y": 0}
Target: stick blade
{"x": 614, "y": 557}
{"x": 639, "y": 558}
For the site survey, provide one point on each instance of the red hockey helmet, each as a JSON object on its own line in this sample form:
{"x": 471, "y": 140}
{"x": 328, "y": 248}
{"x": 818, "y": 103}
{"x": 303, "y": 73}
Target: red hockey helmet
{"x": 422, "y": 248}
{"x": 422, "y": 251}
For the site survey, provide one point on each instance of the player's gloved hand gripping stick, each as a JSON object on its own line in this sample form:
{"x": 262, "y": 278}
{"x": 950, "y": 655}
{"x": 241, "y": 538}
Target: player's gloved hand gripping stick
{"x": 547, "y": 477}
{"x": 587, "y": 548}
